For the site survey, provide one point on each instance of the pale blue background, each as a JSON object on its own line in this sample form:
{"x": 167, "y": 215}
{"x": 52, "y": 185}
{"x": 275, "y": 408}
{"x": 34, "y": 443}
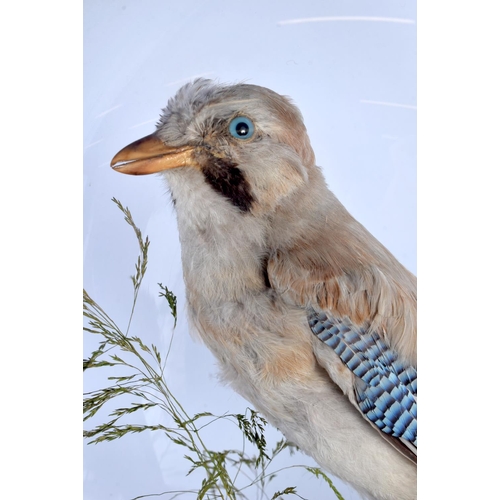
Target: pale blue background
{"x": 136, "y": 55}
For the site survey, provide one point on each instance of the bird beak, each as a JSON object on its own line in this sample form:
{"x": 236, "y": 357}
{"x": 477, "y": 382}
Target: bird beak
{"x": 149, "y": 155}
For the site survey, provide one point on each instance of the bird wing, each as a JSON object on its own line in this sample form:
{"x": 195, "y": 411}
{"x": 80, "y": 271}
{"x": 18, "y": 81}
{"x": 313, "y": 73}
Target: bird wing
{"x": 384, "y": 388}
{"x": 364, "y": 314}
{"x": 361, "y": 304}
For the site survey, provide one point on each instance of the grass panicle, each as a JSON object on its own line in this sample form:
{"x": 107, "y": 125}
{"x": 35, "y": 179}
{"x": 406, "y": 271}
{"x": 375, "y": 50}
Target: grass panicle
{"x": 138, "y": 384}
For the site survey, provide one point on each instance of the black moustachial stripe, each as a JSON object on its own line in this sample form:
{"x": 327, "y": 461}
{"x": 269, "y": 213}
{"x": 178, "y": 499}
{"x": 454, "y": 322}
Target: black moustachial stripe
{"x": 226, "y": 178}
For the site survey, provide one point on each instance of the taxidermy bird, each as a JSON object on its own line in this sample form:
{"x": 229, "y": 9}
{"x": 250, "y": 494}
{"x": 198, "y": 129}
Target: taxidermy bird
{"x": 311, "y": 319}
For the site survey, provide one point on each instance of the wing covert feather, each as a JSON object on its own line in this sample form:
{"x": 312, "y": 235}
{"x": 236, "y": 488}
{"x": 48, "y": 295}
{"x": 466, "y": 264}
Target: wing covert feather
{"x": 384, "y": 387}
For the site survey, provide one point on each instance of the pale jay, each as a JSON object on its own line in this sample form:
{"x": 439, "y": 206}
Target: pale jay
{"x": 311, "y": 319}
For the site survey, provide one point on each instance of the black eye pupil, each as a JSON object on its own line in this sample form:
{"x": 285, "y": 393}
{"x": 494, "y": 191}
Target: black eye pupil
{"x": 242, "y": 129}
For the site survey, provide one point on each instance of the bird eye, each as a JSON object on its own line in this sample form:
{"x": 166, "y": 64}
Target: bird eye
{"x": 241, "y": 128}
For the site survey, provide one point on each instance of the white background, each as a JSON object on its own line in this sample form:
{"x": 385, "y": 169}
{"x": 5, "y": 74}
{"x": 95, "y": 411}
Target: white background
{"x": 352, "y": 72}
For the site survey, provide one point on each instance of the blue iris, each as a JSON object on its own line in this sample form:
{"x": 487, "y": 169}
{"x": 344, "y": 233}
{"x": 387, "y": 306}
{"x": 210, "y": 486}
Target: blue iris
{"x": 241, "y": 127}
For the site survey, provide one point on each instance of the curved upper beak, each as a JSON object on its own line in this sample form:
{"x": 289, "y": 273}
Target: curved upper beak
{"x": 149, "y": 155}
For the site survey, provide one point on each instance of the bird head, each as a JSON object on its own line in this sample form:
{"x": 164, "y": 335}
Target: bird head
{"x": 247, "y": 143}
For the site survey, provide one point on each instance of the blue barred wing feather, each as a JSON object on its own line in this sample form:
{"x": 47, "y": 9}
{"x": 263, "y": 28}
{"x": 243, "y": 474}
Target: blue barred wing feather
{"x": 385, "y": 388}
